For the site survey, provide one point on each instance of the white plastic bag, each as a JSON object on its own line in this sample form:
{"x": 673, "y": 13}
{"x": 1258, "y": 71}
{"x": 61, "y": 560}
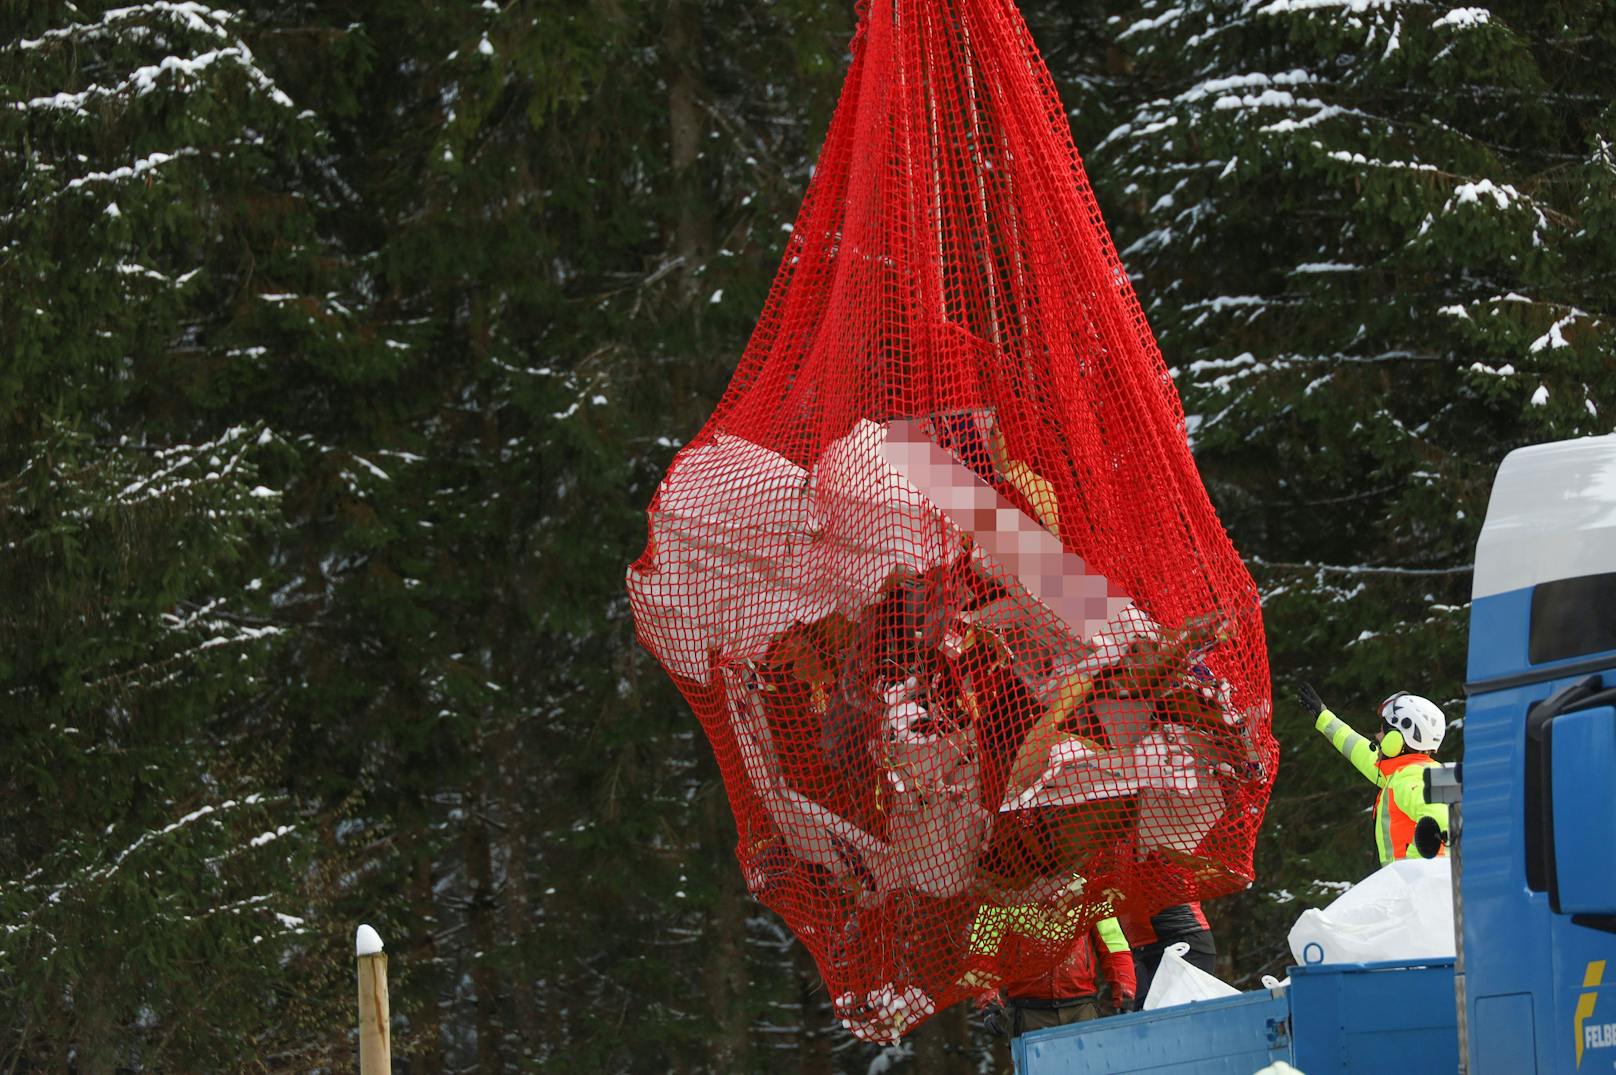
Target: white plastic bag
{"x": 1178, "y": 982}
{"x": 1404, "y": 910}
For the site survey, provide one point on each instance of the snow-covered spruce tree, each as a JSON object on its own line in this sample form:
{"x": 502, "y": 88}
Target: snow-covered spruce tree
{"x": 150, "y": 874}
{"x": 1377, "y": 241}
{"x": 599, "y": 213}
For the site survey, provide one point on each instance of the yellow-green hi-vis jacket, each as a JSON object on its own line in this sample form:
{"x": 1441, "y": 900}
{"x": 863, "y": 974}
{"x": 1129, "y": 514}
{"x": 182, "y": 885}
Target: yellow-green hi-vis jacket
{"x": 1401, "y": 781}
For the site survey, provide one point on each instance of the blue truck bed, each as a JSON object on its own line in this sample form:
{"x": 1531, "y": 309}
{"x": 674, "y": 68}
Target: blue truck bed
{"x": 1348, "y": 1017}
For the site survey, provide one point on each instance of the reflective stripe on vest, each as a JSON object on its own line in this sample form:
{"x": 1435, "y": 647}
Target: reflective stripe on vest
{"x": 1394, "y": 830}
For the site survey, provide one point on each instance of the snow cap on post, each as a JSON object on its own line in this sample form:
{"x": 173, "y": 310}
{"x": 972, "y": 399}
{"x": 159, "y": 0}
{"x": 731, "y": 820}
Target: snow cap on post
{"x": 367, "y": 942}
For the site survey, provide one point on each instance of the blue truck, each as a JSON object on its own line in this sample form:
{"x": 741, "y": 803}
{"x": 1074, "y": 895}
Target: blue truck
{"x": 1533, "y": 838}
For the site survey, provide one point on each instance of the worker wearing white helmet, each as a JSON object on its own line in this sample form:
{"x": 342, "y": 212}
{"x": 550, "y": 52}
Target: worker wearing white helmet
{"x": 1411, "y": 730}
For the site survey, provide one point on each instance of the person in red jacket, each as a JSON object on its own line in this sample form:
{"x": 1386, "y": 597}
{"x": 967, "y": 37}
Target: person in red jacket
{"x": 1151, "y": 934}
{"x": 1096, "y": 978}
{"x": 1073, "y": 991}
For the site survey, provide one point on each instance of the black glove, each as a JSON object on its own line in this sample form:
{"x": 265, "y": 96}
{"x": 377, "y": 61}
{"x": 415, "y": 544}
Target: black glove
{"x": 1310, "y": 700}
{"x": 997, "y": 1021}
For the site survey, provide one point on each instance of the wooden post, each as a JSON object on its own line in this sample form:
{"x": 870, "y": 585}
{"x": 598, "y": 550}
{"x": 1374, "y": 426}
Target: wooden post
{"x": 375, "y": 1040}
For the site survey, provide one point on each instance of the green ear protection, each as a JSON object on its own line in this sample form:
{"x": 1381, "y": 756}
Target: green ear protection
{"x": 1391, "y": 744}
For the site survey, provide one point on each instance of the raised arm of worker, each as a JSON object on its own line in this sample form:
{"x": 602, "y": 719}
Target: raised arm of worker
{"x": 1354, "y": 747}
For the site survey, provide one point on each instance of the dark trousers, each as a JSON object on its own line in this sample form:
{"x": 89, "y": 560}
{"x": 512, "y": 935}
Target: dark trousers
{"x": 1028, "y": 1015}
{"x": 1202, "y": 954}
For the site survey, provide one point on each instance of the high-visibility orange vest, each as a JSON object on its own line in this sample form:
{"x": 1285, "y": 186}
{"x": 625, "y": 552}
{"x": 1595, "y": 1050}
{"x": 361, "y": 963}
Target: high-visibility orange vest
{"x": 1394, "y": 829}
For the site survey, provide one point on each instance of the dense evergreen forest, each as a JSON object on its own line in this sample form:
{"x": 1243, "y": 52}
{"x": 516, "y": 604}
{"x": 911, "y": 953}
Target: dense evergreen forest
{"x": 342, "y": 346}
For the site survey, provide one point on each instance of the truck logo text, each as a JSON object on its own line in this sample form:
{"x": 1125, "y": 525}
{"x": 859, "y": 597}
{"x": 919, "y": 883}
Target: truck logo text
{"x": 1592, "y": 1035}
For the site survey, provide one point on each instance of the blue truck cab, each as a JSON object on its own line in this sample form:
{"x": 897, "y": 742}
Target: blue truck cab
{"x": 1533, "y": 820}
{"x": 1537, "y": 843}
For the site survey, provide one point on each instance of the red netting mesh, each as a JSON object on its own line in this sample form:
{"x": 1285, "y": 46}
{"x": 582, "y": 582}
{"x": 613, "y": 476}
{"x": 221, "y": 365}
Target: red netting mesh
{"x": 939, "y": 576}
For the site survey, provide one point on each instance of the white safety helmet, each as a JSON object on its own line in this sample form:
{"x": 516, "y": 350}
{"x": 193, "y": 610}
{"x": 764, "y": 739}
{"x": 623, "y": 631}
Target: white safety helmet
{"x": 1418, "y": 720}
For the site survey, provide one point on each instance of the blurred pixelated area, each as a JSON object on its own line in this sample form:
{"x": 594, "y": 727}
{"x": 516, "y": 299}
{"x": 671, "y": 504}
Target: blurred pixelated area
{"x": 1017, "y": 541}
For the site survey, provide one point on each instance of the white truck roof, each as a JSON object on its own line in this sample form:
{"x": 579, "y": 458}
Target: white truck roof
{"x": 1552, "y": 516}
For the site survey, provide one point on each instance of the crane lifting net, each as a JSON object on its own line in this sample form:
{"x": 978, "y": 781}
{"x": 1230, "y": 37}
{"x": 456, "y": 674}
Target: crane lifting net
{"x": 939, "y": 576}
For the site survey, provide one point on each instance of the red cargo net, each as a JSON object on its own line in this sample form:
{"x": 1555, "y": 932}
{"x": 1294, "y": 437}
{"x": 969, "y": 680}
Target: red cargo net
{"x": 939, "y": 576}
